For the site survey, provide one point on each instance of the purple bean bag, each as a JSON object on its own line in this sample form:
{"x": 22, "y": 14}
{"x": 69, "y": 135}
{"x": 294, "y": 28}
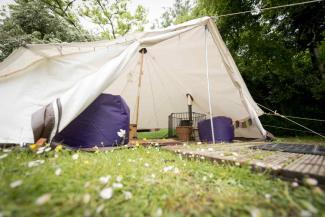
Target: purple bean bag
{"x": 223, "y": 129}
{"x": 98, "y": 124}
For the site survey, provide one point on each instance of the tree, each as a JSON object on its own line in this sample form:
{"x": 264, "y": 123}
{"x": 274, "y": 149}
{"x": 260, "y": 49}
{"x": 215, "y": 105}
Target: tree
{"x": 114, "y": 18}
{"x": 31, "y": 21}
{"x": 178, "y": 13}
{"x": 63, "y": 8}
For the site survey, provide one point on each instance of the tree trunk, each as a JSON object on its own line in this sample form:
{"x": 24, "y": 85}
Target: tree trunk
{"x": 316, "y": 60}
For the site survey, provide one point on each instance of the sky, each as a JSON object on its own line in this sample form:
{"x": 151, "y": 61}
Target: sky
{"x": 155, "y": 8}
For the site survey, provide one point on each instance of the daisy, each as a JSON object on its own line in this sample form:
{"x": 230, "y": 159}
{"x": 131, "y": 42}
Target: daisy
{"x": 35, "y": 163}
{"x": 43, "y": 199}
{"x": 75, "y": 157}
{"x": 3, "y": 156}
{"x": 104, "y": 179}
{"x": 86, "y": 198}
{"x": 168, "y": 168}
{"x": 159, "y": 212}
{"x": 311, "y": 181}
{"x": 106, "y": 193}
{"x": 119, "y": 178}
{"x": 121, "y": 133}
{"x": 16, "y": 183}
{"x": 127, "y": 195}
{"x": 58, "y": 172}
{"x": 117, "y": 185}
{"x": 6, "y": 150}
{"x": 100, "y": 209}
{"x": 294, "y": 184}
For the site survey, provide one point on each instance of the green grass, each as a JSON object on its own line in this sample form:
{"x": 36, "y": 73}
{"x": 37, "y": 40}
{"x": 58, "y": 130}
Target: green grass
{"x": 302, "y": 140}
{"x": 199, "y": 189}
{"x": 160, "y": 134}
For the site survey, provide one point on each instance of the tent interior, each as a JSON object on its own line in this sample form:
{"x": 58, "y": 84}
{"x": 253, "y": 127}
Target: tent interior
{"x": 152, "y": 71}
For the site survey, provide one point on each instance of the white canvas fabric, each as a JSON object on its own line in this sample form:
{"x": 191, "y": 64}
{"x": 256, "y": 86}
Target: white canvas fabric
{"x": 76, "y": 73}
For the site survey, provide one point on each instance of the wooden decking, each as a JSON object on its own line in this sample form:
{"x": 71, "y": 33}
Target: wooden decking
{"x": 285, "y": 164}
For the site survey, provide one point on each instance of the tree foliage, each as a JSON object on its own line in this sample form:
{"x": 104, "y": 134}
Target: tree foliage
{"x": 32, "y": 21}
{"x": 113, "y": 17}
{"x": 280, "y": 53}
{"x": 178, "y": 13}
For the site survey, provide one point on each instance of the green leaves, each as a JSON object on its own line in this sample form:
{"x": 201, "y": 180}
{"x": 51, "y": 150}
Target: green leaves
{"x": 36, "y": 22}
{"x": 113, "y": 18}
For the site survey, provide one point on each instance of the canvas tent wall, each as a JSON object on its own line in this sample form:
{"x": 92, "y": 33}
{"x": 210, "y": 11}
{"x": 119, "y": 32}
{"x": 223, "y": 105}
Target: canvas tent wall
{"x": 70, "y": 76}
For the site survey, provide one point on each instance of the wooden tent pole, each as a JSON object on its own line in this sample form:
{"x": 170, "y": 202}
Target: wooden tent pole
{"x": 142, "y": 51}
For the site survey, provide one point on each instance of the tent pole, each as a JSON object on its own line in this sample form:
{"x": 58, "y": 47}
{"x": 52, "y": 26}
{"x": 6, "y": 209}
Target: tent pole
{"x": 142, "y": 51}
{"x": 208, "y": 81}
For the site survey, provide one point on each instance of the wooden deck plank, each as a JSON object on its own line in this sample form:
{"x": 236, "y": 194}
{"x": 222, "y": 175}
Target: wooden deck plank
{"x": 291, "y": 165}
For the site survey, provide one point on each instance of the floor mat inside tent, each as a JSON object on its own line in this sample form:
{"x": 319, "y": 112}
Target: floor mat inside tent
{"x": 293, "y": 148}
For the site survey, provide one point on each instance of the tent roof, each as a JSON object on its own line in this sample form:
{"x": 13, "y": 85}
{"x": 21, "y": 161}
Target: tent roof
{"x": 33, "y": 53}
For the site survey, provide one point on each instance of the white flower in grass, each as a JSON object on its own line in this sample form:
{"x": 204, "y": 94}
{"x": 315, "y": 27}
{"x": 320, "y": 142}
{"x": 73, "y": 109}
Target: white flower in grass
{"x": 56, "y": 155}
{"x": 237, "y": 164}
{"x": 305, "y": 213}
{"x": 58, "y": 172}
{"x": 106, "y": 193}
{"x": 267, "y": 196}
{"x": 100, "y": 208}
{"x": 159, "y": 212}
{"x": 176, "y": 170}
{"x": 146, "y": 165}
{"x": 3, "y": 156}
{"x": 16, "y": 183}
{"x": 75, "y": 157}
{"x": 104, "y": 179}
{"x": 86, "y": 198}
{"x": 311, "y": 181}
{"x": 294, "y": 184}
{"x": 168, "y": 168}
{"x": 43, "y": 199}
{"x": 127, "y": 195}
{"x": 87, "y": 184}
{"x": 48, "y": 149}
{"x": 204, "y": 178}
{"x": 121, "y": 133}
{"x": 255, "y": 212}
{"x": 87, "y": 213}
{"x": 40, "y": 151}
{"x": 35, "y": 163}
{"x": 119, "y": 178}
{"x": 6, "y": 150}
{"x": 117, "y": 185}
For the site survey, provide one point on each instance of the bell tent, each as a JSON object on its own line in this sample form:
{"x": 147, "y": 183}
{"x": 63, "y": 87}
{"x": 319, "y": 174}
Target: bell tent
{"x": 44, "y": 87}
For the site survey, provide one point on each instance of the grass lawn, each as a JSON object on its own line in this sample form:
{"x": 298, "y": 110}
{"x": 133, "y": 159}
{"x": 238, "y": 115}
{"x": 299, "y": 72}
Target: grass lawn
{"x": 154, "y": 183}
